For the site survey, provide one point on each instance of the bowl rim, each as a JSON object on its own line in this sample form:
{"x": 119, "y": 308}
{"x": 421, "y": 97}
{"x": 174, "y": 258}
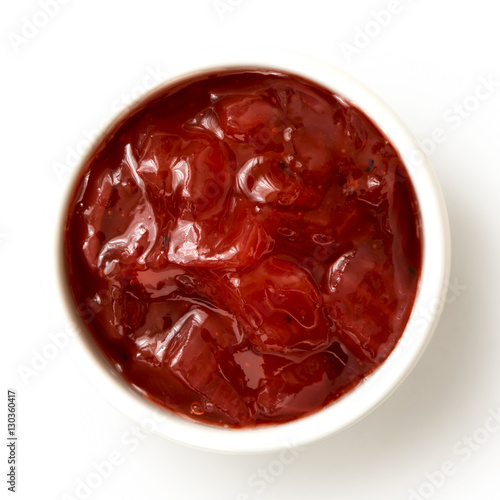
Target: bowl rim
{"x": 375, "y": 388}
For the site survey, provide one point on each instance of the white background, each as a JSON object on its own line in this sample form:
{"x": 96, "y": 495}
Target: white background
{"x": 62, "y": 80}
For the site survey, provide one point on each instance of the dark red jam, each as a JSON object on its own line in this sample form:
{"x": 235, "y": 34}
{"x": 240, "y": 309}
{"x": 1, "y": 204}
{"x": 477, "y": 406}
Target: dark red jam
{"x": 244, "y": 247}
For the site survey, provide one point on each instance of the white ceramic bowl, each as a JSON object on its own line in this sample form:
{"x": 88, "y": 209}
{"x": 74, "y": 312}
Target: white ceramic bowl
{"x": 427, "y": 307}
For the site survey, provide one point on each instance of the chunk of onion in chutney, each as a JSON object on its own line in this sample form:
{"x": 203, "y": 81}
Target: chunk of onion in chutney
{"x": 246, "y": 247}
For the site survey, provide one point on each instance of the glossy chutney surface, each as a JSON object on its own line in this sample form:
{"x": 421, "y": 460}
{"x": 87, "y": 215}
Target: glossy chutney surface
{"x": 244, "y": 247}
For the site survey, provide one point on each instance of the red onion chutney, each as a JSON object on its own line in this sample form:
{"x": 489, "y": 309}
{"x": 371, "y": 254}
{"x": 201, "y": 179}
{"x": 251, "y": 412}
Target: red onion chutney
{"x": 244, "y": 246}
